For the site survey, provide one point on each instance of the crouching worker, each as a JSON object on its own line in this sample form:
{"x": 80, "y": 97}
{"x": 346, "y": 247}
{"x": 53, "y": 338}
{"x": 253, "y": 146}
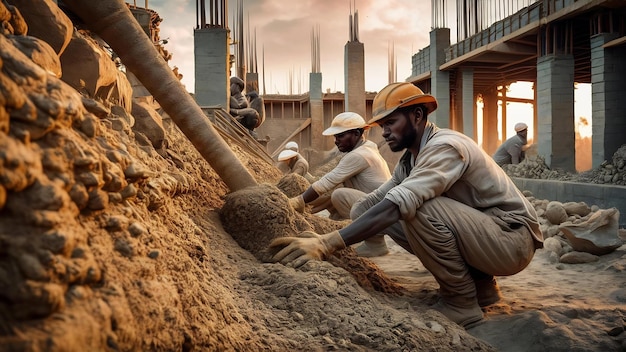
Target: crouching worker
{"x": 291, "y": 162}
{"x": 359, "y": 172}
{"x": 460, "y": 214}
{"x": 240, "y": 107}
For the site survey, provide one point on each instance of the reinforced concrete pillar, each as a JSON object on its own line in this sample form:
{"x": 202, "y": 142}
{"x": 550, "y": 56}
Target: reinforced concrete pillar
{"x": 440, "y": 80}
{"x": 608, "y": 92}
{"x": 252, "y": 82}
{"x": 491, "y": 138}
{"x": 316, "y": 104}
{"x": 212, "y": 67}
{"x": 354, "y": 77}
{"x": 467, "y": 103}
{"x": 555, "y": 111}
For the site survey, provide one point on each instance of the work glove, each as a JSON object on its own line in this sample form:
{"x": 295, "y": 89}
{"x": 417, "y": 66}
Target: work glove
{"x": 297, "y": 203}
{"x": 296, "y": 251}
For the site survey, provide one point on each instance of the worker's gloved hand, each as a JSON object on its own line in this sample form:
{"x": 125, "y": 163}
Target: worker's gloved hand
{"x": 296, "y": 251}
{"x": 297, "y": 203}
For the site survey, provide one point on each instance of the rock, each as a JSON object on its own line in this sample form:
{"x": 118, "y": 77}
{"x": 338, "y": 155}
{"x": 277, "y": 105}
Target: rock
{"x": 578, "y": 258}
{"x": 47, "y": 22}
{"x": 39, "y": 52}
{"x": 598, "y": 235}
{"x": 554, "y": 245}
{"x": 555, "y": 213}
{"x": 149, "y": 123}
{"x": 577, "y": 208}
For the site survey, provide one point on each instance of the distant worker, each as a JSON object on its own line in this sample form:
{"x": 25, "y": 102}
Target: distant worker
{"x": 293, "y": 163}
{"x": 511, "y": 151}
{"x": 292, "y": 146}
{"x": 257, "y": 103}
{"x": 240, "y": 107}
{"x": 361, "y": 170}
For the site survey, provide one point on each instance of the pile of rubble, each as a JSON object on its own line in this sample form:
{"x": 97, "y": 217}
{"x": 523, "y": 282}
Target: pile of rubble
{"x": 609, "y": 172}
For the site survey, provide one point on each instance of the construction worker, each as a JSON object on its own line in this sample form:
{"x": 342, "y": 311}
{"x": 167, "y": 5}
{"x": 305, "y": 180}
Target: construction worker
{"x": 240, "y": 107}
{"x": 460, "y": 214}
{"x": 361, "y": 170}
{"x": 291, "y": 145}
{"x": 292, "y": 162}
{"x": 511, "y": 151}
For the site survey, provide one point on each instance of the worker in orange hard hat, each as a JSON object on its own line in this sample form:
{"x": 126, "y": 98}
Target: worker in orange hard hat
{"x": 459, "y": 212}
{"x": 361, "y": 170}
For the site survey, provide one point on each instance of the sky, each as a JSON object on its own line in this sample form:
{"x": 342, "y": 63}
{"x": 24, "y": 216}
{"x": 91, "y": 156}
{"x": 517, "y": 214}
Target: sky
{"x": 283, "y": 29}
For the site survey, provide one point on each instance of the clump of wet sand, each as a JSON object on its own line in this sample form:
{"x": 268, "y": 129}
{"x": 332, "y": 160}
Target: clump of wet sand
{"x": 256, "y": 215}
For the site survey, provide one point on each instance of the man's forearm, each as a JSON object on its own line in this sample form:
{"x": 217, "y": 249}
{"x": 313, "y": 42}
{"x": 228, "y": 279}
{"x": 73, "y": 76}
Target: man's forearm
{"x": 372, "y": 222}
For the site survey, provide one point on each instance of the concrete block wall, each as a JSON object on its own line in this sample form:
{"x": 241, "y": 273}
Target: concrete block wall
{"x": 555, "y": 111}
{"x": 420, "y": 62}
{"x": 468, "y": 104}
{"x": 608, "y": 74}
{"x": 440, "y": 80}
{"x": 211, "y": 69}
{"x": 604, "y": 196}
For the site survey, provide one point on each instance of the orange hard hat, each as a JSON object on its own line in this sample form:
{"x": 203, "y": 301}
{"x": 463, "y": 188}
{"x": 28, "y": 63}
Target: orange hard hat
{"x": 399, "y": 95}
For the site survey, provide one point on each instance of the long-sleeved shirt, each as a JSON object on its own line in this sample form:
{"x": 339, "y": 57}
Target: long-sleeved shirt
{"x": 510, "y": 152}
{"x": 300, "y": 166}
{"x": 451, "y": 164}
{"x": 238, "y": 101}
{"x": 362, "y": 168}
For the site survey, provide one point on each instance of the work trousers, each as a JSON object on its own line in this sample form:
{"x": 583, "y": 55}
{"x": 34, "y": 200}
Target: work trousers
{"x": 451, "y": 239}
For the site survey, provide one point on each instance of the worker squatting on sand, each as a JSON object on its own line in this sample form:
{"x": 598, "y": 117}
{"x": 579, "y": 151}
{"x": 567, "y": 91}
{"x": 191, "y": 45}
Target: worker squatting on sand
{"x": 447, "y": 202}
{"x": 361, "y": 170}
{"x": 291, "y": 162}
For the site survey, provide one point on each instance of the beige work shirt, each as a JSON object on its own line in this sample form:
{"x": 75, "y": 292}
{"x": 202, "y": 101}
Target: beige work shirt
{"x": 451, "y": 164}
{"x": 362, "y": 168}
{"x": 301, "y": 166}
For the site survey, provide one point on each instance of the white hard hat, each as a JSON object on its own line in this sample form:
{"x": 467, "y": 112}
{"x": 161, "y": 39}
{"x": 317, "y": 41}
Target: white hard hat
{"x": 292, "y": 146}
{"x": 286, "y": 155}
{"x": 344, "y": 122}
{"x": 520, "y": 126}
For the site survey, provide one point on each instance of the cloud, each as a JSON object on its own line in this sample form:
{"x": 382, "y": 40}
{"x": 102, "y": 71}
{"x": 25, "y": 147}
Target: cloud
{"x": 283, "y": 30}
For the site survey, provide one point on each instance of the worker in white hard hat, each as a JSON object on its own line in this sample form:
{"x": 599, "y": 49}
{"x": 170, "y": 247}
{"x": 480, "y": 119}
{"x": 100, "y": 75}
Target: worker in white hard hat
{"x": 361, "y": 170}
{"x": 291, "y": 145}
{"x": 512, "y": 150}
{"x": 292, "y": 162}
{"x": 461, "y": 215}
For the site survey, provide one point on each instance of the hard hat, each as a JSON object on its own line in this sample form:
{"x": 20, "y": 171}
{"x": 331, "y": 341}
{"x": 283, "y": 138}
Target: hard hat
{"x": 344, "y": 122}
{"x": 286, "y": 155}
{"x": 520, "y": 126}
{"x": 399, "y": 95}
{"x": 292, "y": 146}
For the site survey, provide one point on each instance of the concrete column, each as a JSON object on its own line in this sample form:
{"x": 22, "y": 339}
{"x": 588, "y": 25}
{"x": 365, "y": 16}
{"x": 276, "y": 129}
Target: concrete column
{"x": 252, "y": 82}
{"x": 555, "y": 110}
{"x": 317, "y": 116}
{"x": 212, "y": 67}
{"x": 354, "y": 77}
{"x": 491, "y": 139}
{"x": 608, "y": 94}
{"x": 468, "y": 104}
{"x": 440, "y": 80}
